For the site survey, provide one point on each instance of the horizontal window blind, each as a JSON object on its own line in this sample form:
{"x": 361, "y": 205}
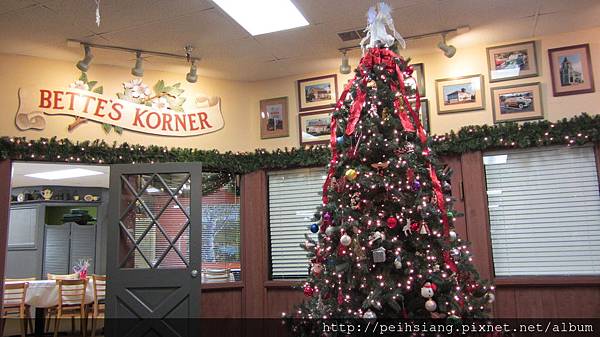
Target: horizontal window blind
{"x": 294, "y": 196}
{"x": 544, "y": 208}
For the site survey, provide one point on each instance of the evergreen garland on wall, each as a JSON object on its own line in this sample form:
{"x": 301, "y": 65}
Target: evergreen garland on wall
{"x": 578, "y": 130}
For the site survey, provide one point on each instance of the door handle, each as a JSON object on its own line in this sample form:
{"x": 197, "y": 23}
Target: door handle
{"x": 194, "y": 273}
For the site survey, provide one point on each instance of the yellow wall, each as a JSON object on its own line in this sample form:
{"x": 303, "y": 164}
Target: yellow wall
{"x": 240, "y": 100}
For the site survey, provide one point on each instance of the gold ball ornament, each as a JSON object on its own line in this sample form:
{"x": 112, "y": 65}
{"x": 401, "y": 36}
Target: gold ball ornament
{"x": 351, "y": 174}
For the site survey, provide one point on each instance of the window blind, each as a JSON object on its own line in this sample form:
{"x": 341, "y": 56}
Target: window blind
{"x": 544, "y": 208}
{"x": 293, "y": 198}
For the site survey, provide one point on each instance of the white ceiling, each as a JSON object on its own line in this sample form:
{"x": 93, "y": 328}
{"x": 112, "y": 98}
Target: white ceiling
{"x": 41, "y": 27}
{"x": 20, "y": 169}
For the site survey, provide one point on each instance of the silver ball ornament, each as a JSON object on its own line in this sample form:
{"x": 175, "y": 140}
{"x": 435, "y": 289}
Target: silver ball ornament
{"x": 453, "y": 235}
{"x": 369, "y": 315}
{"x": 430, "y": 305}
{"x": 346, "y": 240}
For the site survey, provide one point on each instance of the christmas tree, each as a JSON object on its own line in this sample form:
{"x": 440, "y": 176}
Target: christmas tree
{"x": 386, "y": 243}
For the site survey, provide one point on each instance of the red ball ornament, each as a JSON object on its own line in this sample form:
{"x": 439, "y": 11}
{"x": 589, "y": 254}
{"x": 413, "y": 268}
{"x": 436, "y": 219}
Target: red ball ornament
{"x": 308, "y": 291}
{"x": 414, "y": 226}
{"x": 409, "y": 70}
{"x": 392, "y": 222}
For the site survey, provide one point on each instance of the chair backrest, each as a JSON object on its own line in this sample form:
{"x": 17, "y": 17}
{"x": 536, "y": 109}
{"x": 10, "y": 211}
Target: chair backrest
{"x": 14, "y": 294}
{"x": 99, "y": 287}
{"x": 71, "y": 292}
{"x": 74, "y": 276}
{"x": 26, "y": 279}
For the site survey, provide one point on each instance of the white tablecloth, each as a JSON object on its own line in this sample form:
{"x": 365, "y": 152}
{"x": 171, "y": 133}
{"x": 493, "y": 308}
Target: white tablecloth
{"x": 44, "y": 293}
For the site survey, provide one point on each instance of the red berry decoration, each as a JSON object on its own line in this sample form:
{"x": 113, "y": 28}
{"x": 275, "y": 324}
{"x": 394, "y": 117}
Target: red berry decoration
{"x": 308, "y": 291}
{"x": 392, "y": 222}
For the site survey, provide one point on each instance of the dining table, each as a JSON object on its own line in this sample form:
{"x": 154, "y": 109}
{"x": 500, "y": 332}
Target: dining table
{"x": 43, "y": 294}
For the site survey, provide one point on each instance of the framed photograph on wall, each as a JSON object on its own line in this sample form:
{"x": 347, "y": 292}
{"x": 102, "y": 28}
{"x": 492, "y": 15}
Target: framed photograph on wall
{"x": 418, "y": 78}
{"x": 423, "y": 113}
{"x": 517, "y": 102}
{"x": 512, "y": 61}
{"x": 274, "y": 121}
{"x": 459, "y": 94}
{"x": 317, "y": 93}
{"x": 315, "y": 127}
{"x": 571, "y": 70}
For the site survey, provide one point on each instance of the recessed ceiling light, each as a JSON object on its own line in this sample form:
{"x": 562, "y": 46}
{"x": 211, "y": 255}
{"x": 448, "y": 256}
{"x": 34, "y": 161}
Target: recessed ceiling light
{"x": 64, "y": 174}
{"x": 263, "y": 16}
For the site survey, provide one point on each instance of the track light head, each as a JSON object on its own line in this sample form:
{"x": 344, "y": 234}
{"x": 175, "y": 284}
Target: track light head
{"x": 192, "y": 76}
{"x": 449, "y": 50}
{"x": 345, "y": 66}
{"x": 138, "y": 70}
{"x": 84, "y": 64}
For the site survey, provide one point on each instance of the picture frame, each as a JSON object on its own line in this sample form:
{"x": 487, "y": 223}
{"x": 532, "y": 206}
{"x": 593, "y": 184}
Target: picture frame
{"x": 512, "y": 61}
{"x": 418, "y": 76}
{"x": 571, "y": 70}
{"x": 517, "y": 102}
{"x": 274, "y": 118}
{"x": 317, "y": 93}
{"x": 423, "y": 113}
{"x": 460, "y": 94}
{"x": 314, "y": 127}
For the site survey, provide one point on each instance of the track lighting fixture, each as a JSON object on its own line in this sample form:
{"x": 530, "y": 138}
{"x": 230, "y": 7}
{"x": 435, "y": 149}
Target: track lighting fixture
{"x": 449, "y": 50}
{"x": 345, "y": 66}
{"x": 192, "y": 76}
{"x": 84, "y": 64}
{"x": 138, "y": 70}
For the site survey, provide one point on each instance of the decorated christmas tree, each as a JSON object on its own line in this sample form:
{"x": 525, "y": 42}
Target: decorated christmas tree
{"x": 386, "y": 243}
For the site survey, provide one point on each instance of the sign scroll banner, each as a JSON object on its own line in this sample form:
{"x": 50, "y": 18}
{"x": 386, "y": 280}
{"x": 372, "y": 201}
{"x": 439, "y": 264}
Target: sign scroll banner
{"x": 197, "y": 120}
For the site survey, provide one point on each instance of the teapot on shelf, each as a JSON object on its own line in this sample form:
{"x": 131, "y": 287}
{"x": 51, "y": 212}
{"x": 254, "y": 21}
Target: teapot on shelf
{"x": 46, "y": 194}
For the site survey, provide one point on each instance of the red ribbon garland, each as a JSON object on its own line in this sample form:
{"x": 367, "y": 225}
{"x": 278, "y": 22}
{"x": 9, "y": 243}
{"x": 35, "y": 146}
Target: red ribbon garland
{"x": 387, "y": 57}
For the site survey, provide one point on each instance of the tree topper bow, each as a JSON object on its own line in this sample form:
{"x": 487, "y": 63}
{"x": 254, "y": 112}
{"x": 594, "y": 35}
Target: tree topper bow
{"x": 377, "y": 19}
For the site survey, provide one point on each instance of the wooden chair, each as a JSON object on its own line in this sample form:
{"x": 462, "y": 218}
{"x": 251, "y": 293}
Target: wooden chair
{"x": 74, "y": 276}
{"x": 14, "y": 305}
{"x": 99, "y": 282}
{"x": 71, "y": 303}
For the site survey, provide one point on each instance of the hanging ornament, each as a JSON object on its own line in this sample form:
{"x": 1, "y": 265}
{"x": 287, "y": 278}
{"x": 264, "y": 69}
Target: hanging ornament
{"x": 490, "y": 297}
{"x": 346, "y": 240}
{"x": 341, "y": 185}
{"x": 428, "y": 289}
{"x": 379, "y": 255}
{"x": 409, "y": 70}
{"x": 372, "y": 84}
{"x": 398, "y": 262}
{"x": 327, "y": 218}
{"x": 308, "y": 291}
{"x": 408, "y": 228}
{"x": 410, "y": 175}
{"x": 450, "y": 214}
{"x": 392, "y": 222}
{"x": 97, "y": 12}
{"x": 351, "y": 174}
{"x": 329, "y": 230}
{"x": 355, "y": 201}
{"x": 424, "y": 229}
{"x": 385, "y": 113}
{"x": 358, "y": 252}
{"x": 381, "y": 167}
{"x": 416, "y": 185}
{"x": 339, "y": 140}
{"x": 430, "y": 305}
{"x": 314, "y": 228}
{"x": 376, "y": 236}
{"x": 333, "y": 184}
{"x": 370, "y": 315}
{"x": 340, "y": 297}
{"x": 317, "y": 268}
{"x": 453, "y": 235}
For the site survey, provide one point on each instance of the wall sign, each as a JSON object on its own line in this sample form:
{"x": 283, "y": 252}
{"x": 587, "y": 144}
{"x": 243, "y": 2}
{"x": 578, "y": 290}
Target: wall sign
{"x": 158, "y": 111}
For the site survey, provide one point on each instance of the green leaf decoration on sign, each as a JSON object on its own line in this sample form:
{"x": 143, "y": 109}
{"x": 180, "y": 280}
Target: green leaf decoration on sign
{"x": 83, "y": 77}
{"x": 118, "y": 129}
{"x": 99, "y": 90}
{"x": 159, "y": 87}
{"x": 107, "y": 127}
{"x": 91, "y": 84}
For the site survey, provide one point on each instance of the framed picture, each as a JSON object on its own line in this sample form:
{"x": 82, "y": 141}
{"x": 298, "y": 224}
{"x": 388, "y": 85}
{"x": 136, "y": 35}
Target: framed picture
{"x": 317, "y": 93}
{"x": 571, "y": 70}
{"x": 315, "y": 127}
{"x": 512, "y": 61}
{"x": 274, "y": 120}
{"x": 517, "y": 102}
{"x": 459, "y": 94}
{"x": 418, "y": 78}
{"x": 423, "y": 113}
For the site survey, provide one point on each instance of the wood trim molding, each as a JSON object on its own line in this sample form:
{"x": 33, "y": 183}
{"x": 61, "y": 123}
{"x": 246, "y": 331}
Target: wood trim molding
{"x": 535, "y": 281}
{"x": 254, "y": 240}
{"x": 283, "y": 284}
{"x": 222, "y": 285}
{"x": 5, "y": 179}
